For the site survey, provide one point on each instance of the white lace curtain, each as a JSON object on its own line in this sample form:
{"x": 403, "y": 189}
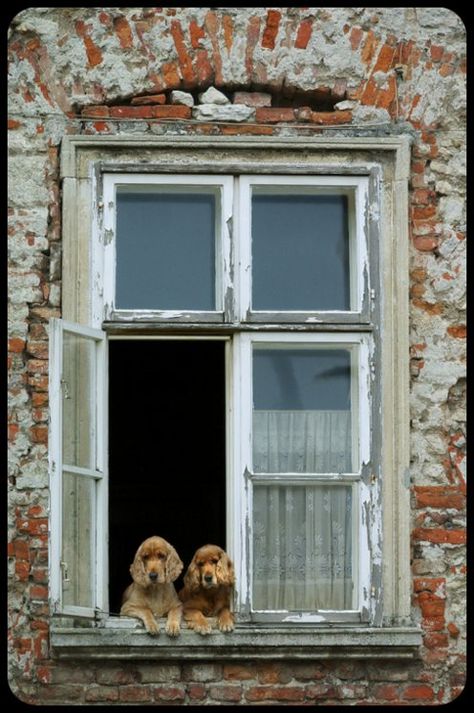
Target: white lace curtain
{"x": 302, "y": 534}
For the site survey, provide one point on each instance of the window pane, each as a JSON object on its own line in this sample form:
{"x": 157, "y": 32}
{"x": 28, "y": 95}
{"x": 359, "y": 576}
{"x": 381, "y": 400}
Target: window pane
{"x": 78, "y": 538}
{"x": 166, "y": 248}
{"x": 300, "y": 251}
{"x": 302, "y": 410}
{"x": 78, "y": 383}
{"x": 302, "y": 547}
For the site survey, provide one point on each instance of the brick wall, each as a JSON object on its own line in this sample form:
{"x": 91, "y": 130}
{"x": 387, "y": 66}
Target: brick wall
{"x": 285, "y": 71}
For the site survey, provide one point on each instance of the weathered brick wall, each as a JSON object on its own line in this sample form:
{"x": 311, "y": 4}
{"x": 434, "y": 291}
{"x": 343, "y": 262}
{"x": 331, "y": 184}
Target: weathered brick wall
{"x": 360, "y": 71}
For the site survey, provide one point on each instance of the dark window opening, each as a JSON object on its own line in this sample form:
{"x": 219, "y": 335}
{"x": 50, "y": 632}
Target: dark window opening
{"x": 166, "y": 450}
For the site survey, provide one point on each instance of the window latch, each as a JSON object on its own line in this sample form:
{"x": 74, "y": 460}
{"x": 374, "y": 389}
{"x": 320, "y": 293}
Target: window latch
{"x": 66, "y": 579}
{"x": 65, "y": 389}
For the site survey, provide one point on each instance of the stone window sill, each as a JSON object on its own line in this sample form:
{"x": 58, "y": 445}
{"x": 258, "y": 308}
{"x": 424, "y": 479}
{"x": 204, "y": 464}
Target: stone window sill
{"x": 126, "y": 639}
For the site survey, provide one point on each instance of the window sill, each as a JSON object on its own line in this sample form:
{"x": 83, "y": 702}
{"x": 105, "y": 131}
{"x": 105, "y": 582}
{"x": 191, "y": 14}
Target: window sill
{"x": 128, "y": 640}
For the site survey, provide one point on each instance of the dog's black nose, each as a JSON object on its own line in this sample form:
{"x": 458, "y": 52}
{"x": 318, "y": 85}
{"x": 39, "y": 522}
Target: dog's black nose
{"x": 208, "y": 577}
{"x": 153, "y": 576}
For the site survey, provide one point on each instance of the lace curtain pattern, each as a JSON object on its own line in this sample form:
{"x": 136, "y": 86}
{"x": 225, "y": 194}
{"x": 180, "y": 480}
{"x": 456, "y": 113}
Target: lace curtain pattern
{"x": 302, "y": 534}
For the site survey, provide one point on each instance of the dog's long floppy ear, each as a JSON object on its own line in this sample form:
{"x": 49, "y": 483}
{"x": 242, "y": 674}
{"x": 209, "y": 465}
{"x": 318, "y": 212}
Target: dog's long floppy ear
{"x": 173, "y": 565}
{"x": 192, "y": 578}
{"x": 137, "y": 569}
{"x": 225, "y": 570}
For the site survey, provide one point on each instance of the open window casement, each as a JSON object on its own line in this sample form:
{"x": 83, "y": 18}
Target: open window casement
{"x": 78, "y": 555}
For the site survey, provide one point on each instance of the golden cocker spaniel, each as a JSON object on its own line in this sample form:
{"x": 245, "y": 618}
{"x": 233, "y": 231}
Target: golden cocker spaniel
{"x": 207, "y": 590}
{"x": 152, "y": 594}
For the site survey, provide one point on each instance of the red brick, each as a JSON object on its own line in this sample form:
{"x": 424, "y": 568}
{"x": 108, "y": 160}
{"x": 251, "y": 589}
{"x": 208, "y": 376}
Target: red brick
{"x": 331, "y": 118}
{"x": 211, "y": 22}
{"x": 242, "y": 129}
{"x": 253, "y": 32}
{"x": 175, "y": 111}
{"x": 39, "y": 434}
{"x": 429, "y": 584}
{"x": 369, "y": 47}
{"x": 445, "y": 70}
{"x": 418, "y": 693}
{"x": 226, "y": 693}
{"x": 16, "y": 345}
{"x": 43, "y": 674}
{"x": 271, "y": 29}
{"x": 458, "y": 331}
{"x": 425, "y": 243}
{"x": 196, "y": 691}
{"x": 355, "y": 37}
{"x": 386, "y": 692}
{"x": 273, "y": 693}
{"x": 273, "y": 115}
{"x": 254, "y": 99}
{"x": 238, "y": 672}
{"x": 438, "y": 535}
{"x": 94, "y": 55}
{"x": 21, "y": 549}
{"x": 196, "y": 34}
{"x": 22, "y": 570}
{"x": 304, "y": 34}
{"x": 124, "y": 33}
{"x": 436, "y": 52}
{"x": 131, "y": 112}
{"x": 171, "y": 75}
{"x": 453, "y": 630}
{"x": 384, "y": 59}
{"x": 40, "y": 350}
{"x": 321, "y": 690}
{"x": 228, "y": 31}
{"x": 135, "y": 694}
{"x": 203, "y": 68}
{"x": 439, "y": 496}
{"x": 37, "y": 591}
{"x": 13, "y": 124}
{"x": 150, "y": 99}
{"x": 101, "y": 693}
{"x": 169, "y": 693}
{"x": 183, "y": 56}
{"x": 434, "y": 641}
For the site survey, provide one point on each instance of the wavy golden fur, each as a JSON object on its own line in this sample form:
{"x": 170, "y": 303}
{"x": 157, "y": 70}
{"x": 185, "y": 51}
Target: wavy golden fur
{"x": 207, "y": 590}
{"x": 152, "y": 593}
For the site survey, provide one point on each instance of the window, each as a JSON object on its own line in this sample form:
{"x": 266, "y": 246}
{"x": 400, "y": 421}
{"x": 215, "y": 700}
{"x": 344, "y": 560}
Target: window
{"x": 276, "y": 268}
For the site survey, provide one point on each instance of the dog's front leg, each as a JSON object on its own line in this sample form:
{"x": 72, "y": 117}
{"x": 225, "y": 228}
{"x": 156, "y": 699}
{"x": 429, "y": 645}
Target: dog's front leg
{"x": 143, "y": 613}
{"x": 173, "y": 622}
{"x": 225, "y": 620}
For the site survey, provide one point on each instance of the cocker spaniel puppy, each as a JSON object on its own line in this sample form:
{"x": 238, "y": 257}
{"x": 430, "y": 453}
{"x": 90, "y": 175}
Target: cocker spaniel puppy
{"x": 207, "y": 590}
{"x": 152, "y": 594}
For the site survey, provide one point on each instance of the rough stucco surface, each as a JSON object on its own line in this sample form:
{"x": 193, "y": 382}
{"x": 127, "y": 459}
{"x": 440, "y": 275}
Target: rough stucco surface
{"x": 360, "y": 71}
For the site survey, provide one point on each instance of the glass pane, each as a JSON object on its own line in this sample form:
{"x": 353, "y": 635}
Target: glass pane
{"x": 302, "y": 410}
{"x": 78, "y": 383}
{"x": 166, "y": 248}
{"x": 78, "y": 538}
{"x": 300, "y": 251}
{"x": 302, "y": 547}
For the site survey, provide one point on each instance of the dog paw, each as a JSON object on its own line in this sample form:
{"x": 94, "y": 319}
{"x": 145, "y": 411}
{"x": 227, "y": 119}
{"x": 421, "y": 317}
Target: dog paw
{"x": 226, "y": 624}
{"x": 152, "y": 628}
{"x": 203, "y": 629}
{"x": 172, "y": 628}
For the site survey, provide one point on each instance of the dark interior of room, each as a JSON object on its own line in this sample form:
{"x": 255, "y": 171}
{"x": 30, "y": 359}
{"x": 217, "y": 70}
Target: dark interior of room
{"x": 166, "y": 449}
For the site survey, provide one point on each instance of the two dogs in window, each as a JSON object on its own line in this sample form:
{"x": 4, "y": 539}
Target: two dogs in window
{"x": 206, "y": 593}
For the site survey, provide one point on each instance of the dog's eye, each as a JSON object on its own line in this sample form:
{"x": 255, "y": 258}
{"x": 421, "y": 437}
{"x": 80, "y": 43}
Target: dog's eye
{"x": 214, "y": 561}
{"x": 161, "y": 555}
{"x": 145, "y": 557}
{"x": 200, "y": 564}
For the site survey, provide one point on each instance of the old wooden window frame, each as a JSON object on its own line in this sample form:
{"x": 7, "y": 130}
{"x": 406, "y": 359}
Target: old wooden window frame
{"x": 386, "y": 161}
